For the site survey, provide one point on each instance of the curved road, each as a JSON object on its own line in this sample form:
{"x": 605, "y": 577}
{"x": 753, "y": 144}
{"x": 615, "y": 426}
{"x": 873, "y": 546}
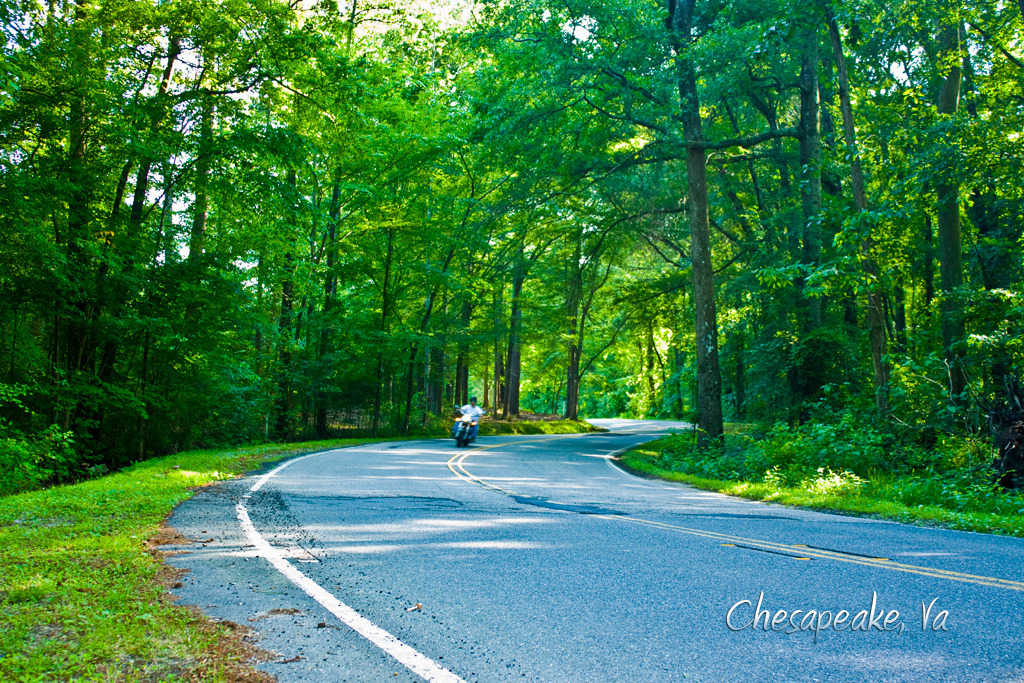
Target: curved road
{"x": 536, "y": 558}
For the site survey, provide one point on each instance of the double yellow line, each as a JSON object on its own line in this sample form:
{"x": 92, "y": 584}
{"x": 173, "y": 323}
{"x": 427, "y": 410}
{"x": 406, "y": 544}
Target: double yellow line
{"x": 455, "y": 463}
{"x": 797, "y": 551}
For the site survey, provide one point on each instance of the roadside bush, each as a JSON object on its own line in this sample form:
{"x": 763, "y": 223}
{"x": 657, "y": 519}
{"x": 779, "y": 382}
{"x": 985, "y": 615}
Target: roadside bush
{"x": 31, "y": 463}
{"x": 949, "y": 482}
{"x": 17, "y": 472}
{"x": 845, "y": 446}
{"x": 831, "y": 483}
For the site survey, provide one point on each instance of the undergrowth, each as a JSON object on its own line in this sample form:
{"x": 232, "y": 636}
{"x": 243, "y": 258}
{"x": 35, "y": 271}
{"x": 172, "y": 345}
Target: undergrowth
{"x": 851, "y": 467}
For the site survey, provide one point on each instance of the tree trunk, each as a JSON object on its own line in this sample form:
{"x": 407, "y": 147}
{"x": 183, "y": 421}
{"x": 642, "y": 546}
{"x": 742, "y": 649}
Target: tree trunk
{"x": 487, "y": 379}
{"x": 283, "y": 425}
{"x": 330, "y": 292}
{"x": 499, "y": 377}
{"x": 951, "y": 276}
{"x": 741, "y": 377}
{"x": 755, "y": 182}
{"x": 514, "y": 355}
{"x": 709, "y": 377}
{"x": 995, "y": 258}
{"x": 876, "y": 324}
{"x": 572, "y": 378}
{"x": 165, "y": 239}
{"x": 415, "y": 347}
{"x": 771, "y": 116}
{"x": 810, "y": 170}
{"x": 573, "y": 295}
{"x": 80, "y": 351}
{"x": 900, "y": 315}
{"x": 79, "y": 331}
{"x": 142, "y": 177}
{"x": 929, "y": 263}
{"x": 200, "y": 209}
{"x": 461, "y": 377}
{"x": 143, "y": 419}
{"x": 385, "y": 309}
{"x": 410, "y": 389}
{"x": 462, "y": 362}
{"x": 650, "y": 367}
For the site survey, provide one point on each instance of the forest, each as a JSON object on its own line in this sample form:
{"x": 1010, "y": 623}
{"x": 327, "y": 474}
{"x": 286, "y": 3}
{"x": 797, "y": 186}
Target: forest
{"x": 238, "y": 221}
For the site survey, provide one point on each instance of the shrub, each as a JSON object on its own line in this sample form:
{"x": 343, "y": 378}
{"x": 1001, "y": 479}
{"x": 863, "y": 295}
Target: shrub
{"x": 17, "y": 468}
{"x": 831, "y": 483}
{"x": 48, "y": 458}
{"x": 818, "y": 452}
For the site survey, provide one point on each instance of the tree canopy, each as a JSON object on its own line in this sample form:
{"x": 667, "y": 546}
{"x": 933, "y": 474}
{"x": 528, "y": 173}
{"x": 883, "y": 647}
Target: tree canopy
{"x": 240, "y": 221}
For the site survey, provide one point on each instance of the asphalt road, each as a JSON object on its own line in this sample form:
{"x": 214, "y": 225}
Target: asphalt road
{"x": 538, "y": 559}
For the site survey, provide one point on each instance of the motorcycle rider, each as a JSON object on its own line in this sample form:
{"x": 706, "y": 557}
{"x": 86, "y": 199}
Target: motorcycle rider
{"x": 474, "y": 411}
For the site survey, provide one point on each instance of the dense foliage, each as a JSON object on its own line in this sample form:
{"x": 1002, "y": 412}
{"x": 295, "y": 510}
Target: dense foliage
{"x": 239, "y": 221}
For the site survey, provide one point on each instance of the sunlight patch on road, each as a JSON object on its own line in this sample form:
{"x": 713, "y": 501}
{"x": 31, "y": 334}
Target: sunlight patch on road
{"x": 495, "y": 545}
{"x": 393, "y": 548}
{"x": 445, "y": 524}
{"x": 407, "y": 656}
{"x": 369, "y": 549}
{"x": 417, "y": 528}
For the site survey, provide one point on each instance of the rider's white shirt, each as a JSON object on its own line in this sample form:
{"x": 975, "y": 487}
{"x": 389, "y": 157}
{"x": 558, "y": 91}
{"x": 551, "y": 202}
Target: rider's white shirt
{"x": 471, "y": 410}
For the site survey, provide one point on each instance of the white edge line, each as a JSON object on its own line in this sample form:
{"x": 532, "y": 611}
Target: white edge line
{"x": 610, "y": 458}
{"x": 410, "y": 658}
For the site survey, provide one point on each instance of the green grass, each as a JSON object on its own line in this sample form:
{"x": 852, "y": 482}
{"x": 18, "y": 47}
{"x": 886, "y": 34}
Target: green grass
{"x": 883, "y": 496}
{"x": 83, "y": 593}
{"x": 497, "y": 427}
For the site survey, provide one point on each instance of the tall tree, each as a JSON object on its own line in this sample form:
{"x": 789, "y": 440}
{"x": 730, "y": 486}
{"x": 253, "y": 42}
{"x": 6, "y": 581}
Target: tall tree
{"x": 876, "y": 328}
{"x": 951, "y": 277}
{"x": 709, "y": 376}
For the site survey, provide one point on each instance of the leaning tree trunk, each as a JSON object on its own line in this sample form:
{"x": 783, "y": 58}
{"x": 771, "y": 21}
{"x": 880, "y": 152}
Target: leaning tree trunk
{"x": 139, "y": 199}
{"x": 879, "y": 346}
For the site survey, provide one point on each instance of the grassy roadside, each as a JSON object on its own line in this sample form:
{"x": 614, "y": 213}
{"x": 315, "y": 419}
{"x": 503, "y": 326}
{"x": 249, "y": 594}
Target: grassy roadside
{"x": 82, "y": 588}
{"x": 880, "y": 499}
{"x": 83, "y": 592}
{"x": 502, "y": 428}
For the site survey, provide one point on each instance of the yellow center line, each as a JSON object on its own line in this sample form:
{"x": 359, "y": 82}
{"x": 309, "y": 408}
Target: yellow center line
{"x": 455, "y": 463}
{"x": 804, "y": 551}
{"x": 797, "y": 551}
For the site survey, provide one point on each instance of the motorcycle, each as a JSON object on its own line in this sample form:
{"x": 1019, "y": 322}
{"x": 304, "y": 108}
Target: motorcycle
{"x": 463, "y": 430}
